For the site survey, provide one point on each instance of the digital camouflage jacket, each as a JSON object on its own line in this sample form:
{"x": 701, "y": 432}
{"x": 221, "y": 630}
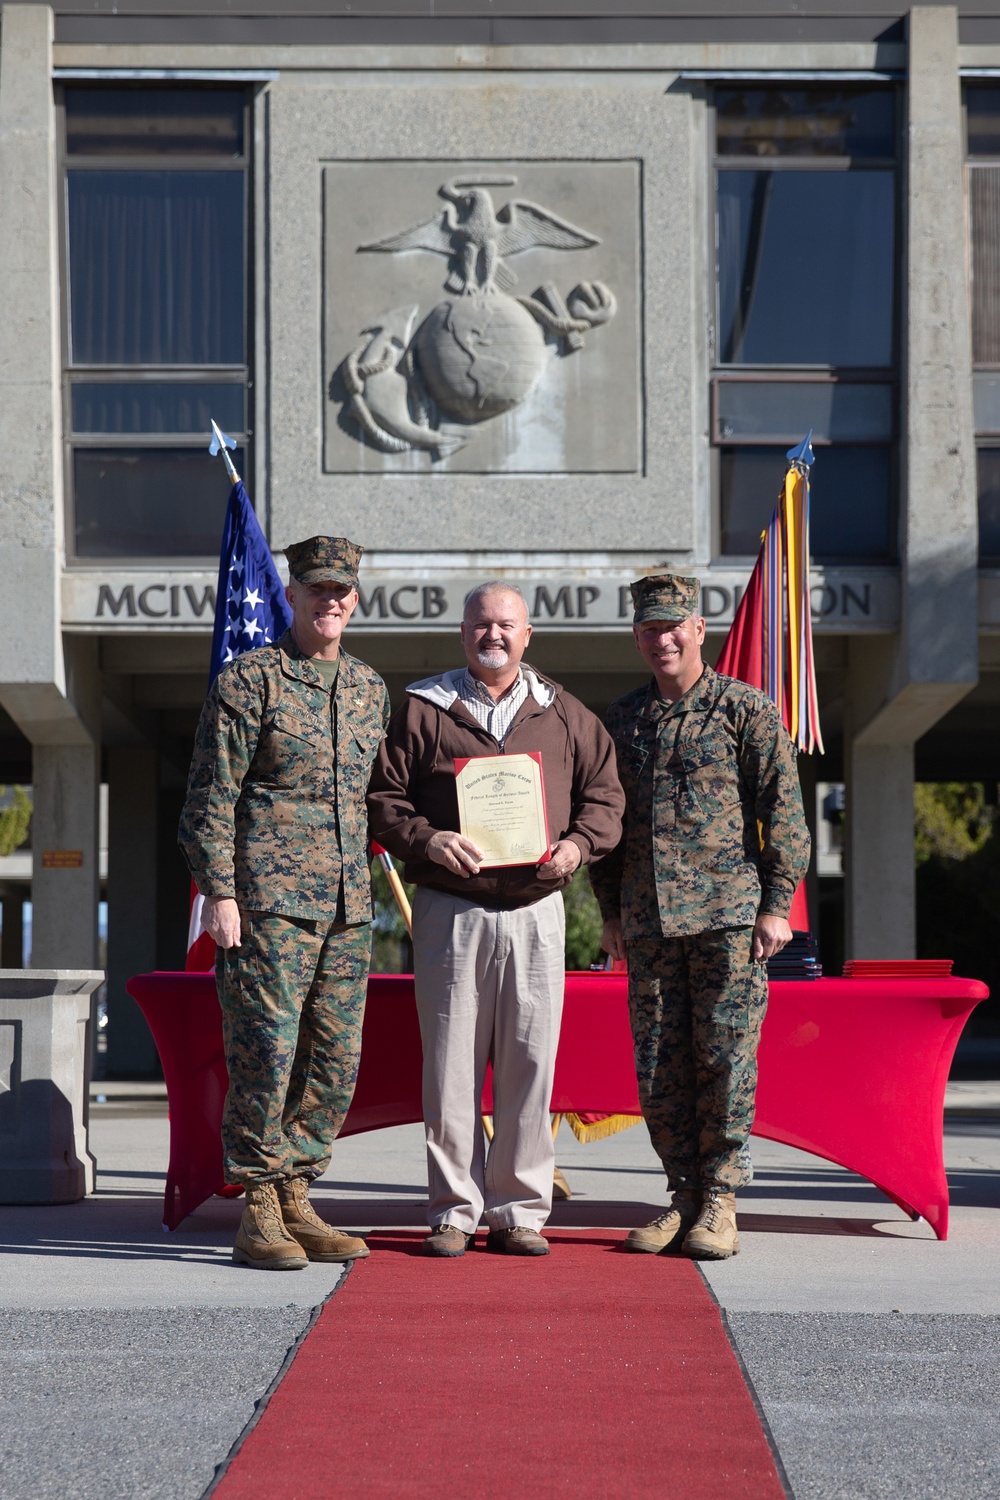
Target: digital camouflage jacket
{"x": 275, "y": 812}
{"x": 701, "y": 777}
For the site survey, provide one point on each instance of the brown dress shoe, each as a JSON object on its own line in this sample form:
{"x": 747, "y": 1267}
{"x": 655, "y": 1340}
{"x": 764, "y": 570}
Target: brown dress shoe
{"x": 517, "y": 1241}
{"x": 262, "y": 1239}
{"x": 713, "y": 1236}
{"x": 669, "y": 1229}
{"x": 446, "y": 1240}
{"x": 316, "y": 1237}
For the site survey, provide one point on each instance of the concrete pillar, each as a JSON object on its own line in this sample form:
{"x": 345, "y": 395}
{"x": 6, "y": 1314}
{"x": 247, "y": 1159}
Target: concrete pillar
{"x": 132, "y": 905}
{"x": 65, "y": 879}
{"x": 899, "y": 687}
{"x": 878, "y": 852}
{"x": 939, "y": 520}
{"x": 32, "y": 677}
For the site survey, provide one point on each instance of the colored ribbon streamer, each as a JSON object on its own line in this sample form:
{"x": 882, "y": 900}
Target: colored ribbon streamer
{"x": 770, "y": 643}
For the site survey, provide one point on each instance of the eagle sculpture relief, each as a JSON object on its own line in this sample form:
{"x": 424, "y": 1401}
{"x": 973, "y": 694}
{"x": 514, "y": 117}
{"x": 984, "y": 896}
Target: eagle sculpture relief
{"x": 476, "y": 238}
{"x": 481, "y": 351}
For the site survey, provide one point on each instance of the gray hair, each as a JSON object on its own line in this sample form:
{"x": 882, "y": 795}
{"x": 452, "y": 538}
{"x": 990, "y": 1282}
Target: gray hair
{"x": 492, "y": 586}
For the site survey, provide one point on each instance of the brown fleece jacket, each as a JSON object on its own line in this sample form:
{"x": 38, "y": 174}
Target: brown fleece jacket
{"x": 412, "y": 791}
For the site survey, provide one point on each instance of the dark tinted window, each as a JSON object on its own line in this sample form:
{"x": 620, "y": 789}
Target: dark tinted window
{"x": 849, "y": 501}
{"x": 778, "y": 121}
{"x": 156, "y": 267}
{"x": 989, "y": 505}
{"x": 154, "y": 121}
{"x": 984, "y": 234}
{"x": 149, "y": 502}
{"x": 778, "y": 411}
{"x": 806, "y": 267}
{"x": 982, "y": 112}
{"x": 156, "y": 406}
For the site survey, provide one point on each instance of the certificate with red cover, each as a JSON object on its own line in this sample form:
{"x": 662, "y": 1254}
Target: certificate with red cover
{"x": 501, "y": 807}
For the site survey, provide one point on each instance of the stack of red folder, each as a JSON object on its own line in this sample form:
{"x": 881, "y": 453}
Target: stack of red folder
{"x": 897, "y": 968}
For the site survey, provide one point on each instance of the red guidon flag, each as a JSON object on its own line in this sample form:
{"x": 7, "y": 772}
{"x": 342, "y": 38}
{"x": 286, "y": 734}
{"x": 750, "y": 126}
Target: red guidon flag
{"x": 769, "y": 644}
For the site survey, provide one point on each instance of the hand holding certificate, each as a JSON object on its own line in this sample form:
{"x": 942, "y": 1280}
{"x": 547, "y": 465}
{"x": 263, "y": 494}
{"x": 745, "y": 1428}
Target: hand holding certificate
{"x": 501, "y": 808}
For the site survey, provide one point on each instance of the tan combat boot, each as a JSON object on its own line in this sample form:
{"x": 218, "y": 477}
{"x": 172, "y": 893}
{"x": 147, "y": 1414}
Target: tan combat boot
{"x": 262, "y": 1239}
{"x": 670, "y": 1228}
{"x": 714, "y": 1234}
{"x": 303, "y": 1223}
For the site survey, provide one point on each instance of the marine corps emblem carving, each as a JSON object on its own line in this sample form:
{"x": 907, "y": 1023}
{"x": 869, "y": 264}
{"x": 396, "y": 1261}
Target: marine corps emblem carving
{"x": 428, "y": 383}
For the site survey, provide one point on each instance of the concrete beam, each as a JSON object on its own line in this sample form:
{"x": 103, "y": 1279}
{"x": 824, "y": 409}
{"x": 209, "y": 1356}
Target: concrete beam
{"x": 900, "y": 686}
{"x": 34, "y": 673}
{"x": 940, "y": 529}
{"x": 30, "y": 458}
{"x": 933, "y": 661}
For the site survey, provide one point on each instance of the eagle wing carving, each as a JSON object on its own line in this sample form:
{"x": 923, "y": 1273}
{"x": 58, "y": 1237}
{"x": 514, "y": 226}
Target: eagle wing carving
{"x": 435, "y": 235}
{"x": 523, "y": 225}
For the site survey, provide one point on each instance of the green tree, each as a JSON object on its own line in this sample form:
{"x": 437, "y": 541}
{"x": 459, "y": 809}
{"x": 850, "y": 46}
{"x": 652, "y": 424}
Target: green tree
{"x": 957, "y": 845}
{"x": 952, "y": 818}
{"x": 15, "y": 820}
{"x": 583, "y": 923}
{"x": 391, "y": 950}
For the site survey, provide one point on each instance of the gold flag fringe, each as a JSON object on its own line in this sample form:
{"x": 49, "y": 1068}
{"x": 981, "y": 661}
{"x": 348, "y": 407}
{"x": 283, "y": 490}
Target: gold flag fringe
{"x": 599, "y": 1130}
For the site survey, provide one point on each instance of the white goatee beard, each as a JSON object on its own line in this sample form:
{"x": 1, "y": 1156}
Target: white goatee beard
{"x": 497, "y": 657}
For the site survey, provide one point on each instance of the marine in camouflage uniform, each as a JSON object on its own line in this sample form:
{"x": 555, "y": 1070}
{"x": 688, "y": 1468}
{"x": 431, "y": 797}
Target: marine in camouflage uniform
{"x": 275, "y": 818}
{"x": 714, "y": 839}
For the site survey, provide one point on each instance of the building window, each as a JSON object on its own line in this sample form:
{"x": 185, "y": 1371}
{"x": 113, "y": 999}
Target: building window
{"x": 982, "y": 114}
{"x": 156, "y": 210}
{"x": 806, "y": 229}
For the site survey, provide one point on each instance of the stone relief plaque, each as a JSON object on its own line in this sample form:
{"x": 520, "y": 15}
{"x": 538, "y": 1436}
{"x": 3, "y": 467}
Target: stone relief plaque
{"x": 482, "y": 317}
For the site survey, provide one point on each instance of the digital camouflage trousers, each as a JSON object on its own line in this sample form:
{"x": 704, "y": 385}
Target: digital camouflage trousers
{"x": 293, "y": 1000}
{"x": 697, "y": 1004}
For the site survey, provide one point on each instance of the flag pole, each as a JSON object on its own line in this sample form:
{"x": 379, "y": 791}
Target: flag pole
{"x": 241, "y": 532}
{"x": 395, "y": 884}
{"x": 221, "y": 444}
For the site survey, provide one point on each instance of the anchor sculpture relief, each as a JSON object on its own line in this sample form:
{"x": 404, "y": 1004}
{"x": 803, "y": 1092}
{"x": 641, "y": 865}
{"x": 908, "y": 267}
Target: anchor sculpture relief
{"x": 482, "y": 350}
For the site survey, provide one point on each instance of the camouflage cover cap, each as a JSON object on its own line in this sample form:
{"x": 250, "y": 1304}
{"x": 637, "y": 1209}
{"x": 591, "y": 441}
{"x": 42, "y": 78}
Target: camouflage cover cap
{"x": 325, "y": 559}
{"x": 665, "y": 596}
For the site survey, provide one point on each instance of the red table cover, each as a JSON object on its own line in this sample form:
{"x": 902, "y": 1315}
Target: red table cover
{"x": 852, "y": 1070}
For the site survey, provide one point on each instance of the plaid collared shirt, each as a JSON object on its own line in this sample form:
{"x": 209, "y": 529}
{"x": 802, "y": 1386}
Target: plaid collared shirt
{"x": 494, "y": 714}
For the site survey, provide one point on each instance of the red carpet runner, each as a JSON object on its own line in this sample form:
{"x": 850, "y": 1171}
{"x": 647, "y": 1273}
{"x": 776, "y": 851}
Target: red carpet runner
{"x": 587, "y": 1373}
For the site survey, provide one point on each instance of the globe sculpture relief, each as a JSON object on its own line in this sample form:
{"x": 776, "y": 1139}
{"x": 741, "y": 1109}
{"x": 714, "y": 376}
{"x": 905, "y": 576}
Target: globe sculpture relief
{"x": 482, "y": 350}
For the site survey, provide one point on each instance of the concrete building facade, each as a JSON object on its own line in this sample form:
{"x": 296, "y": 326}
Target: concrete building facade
{"x": 535, "y": 291}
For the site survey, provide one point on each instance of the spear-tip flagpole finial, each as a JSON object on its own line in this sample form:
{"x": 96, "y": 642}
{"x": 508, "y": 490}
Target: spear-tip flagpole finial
{"x": 802, "y": 454}
{"x": 219, "y": 444}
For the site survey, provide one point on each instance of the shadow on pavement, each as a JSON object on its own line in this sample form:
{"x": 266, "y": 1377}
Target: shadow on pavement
{"x": 323, "y": 1187}
{"x": 815, "y": 1224}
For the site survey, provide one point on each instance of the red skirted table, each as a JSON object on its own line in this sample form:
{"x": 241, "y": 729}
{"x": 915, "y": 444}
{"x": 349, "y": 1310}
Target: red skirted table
{"x": 853, "y": 1070}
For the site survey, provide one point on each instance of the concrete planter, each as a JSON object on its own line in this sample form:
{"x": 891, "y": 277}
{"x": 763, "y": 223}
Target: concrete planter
{"x": 44, "y": 1084}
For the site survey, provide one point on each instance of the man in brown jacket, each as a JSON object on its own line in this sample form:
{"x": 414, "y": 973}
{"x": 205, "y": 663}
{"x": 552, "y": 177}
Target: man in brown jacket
{"x": 488, "y": 944}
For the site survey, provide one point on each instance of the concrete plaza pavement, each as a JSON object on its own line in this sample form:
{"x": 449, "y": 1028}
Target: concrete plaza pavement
{"x": 133, "y": 1359}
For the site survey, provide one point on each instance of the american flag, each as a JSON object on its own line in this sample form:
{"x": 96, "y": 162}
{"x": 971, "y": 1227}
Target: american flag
{"x": 250, "y": 607}
{"x": 250, "y": 611}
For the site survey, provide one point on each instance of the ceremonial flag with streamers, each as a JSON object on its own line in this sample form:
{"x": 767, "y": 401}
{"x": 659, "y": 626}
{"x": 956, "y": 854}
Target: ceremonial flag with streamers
{"x": 250, "y": 611}
{"x": 770, "y": 642}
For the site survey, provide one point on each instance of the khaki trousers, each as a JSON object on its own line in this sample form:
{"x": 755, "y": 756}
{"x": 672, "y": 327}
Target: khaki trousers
{"x": 489, "y": 987}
